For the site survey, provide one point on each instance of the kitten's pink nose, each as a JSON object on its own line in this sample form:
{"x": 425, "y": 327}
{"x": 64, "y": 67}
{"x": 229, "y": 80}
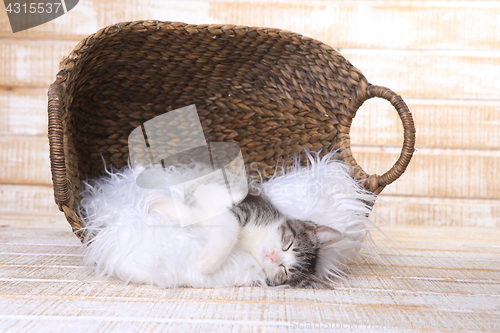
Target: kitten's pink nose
{"x": 272, "y": 256}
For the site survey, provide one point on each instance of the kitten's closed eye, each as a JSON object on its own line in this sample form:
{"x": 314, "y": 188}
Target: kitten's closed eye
{"x": 288, "y": 246}
{"x": 287, "y": 238}
{"x": 284, "y": 270}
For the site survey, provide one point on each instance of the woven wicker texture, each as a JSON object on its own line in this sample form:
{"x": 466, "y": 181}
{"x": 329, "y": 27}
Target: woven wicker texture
{"x": 270, "y": 91}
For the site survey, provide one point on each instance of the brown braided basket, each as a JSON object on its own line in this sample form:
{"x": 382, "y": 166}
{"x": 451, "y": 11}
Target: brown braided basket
{"x": 270, "y": 91}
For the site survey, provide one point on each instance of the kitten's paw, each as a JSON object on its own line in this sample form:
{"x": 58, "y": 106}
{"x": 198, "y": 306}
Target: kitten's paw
{"x": 208, "y": 263}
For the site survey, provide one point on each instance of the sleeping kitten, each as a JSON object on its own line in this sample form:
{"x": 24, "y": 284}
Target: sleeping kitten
{"x": 285, "y": 248}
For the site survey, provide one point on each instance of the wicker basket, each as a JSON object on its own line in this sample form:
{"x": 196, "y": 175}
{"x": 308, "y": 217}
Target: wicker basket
{"x": 268, "y": 90}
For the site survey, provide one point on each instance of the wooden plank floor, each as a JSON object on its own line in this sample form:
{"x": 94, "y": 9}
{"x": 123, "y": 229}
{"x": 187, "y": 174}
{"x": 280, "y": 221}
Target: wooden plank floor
{"x": 431, "y": 279}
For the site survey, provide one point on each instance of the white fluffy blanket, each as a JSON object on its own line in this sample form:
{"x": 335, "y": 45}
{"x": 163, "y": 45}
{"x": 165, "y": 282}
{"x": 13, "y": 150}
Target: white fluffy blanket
{"x": 135, "y": 245}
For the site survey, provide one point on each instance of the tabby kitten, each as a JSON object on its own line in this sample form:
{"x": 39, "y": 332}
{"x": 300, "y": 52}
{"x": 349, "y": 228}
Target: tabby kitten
{"x": 287, "y": 249}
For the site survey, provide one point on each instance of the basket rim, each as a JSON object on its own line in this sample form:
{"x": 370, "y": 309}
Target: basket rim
{"x": 158, "y": 25}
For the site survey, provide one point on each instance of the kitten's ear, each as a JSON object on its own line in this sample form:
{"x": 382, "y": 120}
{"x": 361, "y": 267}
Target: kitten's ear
{"x": 327, "y": 235}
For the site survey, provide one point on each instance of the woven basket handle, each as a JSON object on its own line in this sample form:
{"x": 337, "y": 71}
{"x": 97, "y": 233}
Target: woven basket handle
{"x": 408, "y": 142}
{"x": 57, "y": 160}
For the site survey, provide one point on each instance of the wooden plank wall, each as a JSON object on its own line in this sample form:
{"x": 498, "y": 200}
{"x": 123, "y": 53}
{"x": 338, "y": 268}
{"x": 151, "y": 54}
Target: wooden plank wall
{"x": 443, "y": 57}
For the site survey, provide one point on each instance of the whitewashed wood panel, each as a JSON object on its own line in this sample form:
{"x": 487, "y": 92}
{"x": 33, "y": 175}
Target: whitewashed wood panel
{"x": 25, "y": 160}
{"x": 37, "y": 251}
{"x": 356, "y": 24}
{"x": 250, "y": 300}
{"x": 30, "y": 206}
{"x": 259, "y": 318}
{"x": 23, "y": 111}
{"x": 428, "y": 273}
{"x": 431, "y": 73}
{"x": 431, "y": 211}
{"x": 489, "y": 262}
{"x": 375, "y": 24}
{"x": 470, "y": 254}
{"x": 415, "y": 287}
{"x": 44, "y": 235}
{"x": 480, "y": 250}
{"x": 440, "y": 123}
{"x": 449, "y": 237}
{"x": 361, "y": 298}
{"x": 454, "y": 173}
{"x": 78, "y": 324}
{"x": 31, "y": 63}
{"x": 131, "y": 292}
{"x": 10, "y": 259}
{"x": 27, "y": 199}
{"x": 31, "y": 220}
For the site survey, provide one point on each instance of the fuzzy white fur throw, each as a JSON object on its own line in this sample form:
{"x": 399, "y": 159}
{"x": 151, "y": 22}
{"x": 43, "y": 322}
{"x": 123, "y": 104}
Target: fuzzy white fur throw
{"x": 134, "y": 244}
